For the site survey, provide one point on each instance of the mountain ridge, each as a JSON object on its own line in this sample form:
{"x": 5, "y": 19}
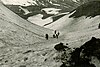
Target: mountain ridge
{"x": 90, "y": 9}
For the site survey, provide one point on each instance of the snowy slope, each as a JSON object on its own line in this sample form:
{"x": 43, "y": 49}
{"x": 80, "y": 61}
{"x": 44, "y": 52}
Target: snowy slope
{"x": 67, "y": 24}
{"x": 17, "y": 2}
{"x": 49, "y": 7}
{"x": 37, "y": 19}
{"x": 82, "y": 18}
{"x": 17, "y": 36}
{"x": 15, "y": 28}
{"x": 22, "y": 43}
{"x": 77, "y": 31}
{"x": 24, "y": 23}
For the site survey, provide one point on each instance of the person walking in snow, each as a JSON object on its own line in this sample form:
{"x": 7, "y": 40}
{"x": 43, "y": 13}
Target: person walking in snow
{"x": 57, "y": 35}
{"x": 55, "y": 32}
{"x": 46, "y": 36}
{"x": 54, "y": 36}
{"x": 66, "y": 43}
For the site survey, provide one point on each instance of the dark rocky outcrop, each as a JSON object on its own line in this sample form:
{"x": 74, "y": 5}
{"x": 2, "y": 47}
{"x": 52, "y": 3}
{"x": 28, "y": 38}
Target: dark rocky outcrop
{"x": 60, "y": 47}
{"x": 92, "y": 48}
{"x": 81, "y": 57}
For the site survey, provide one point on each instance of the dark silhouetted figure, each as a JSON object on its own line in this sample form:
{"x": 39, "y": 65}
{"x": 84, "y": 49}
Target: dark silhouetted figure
{"x": 54, "y": 36}
{"x": 55, "y": 32}
{"x": 66, "y": 43}
{"x": 57, "y": 35}
{"x": 46, "y": 36}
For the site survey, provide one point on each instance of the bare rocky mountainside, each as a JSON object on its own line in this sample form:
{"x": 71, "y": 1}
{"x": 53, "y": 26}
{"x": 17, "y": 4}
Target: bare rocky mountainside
{"x": 50, "y": 33}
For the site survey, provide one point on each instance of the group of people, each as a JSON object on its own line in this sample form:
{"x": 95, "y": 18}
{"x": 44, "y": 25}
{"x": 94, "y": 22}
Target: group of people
{"x": 55, "y": 35}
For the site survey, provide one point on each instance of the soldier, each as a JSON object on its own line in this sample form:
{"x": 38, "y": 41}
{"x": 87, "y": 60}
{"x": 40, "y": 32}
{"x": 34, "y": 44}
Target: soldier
{"x": 46, "y": 36}
{"x": 66, "y": 43}
{"x": 55, "y": 32}
{"x": 57, "y": 35}
{"x": 54, "y": 36}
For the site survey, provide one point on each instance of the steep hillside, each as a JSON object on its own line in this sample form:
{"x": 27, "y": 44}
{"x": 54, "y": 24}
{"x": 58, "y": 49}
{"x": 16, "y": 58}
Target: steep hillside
{"x": 84, "y": 17}
{"x": 36, "y": 7}
{"x": 47, "y": 8}
{"x": 18, "y": 36}
{"x": 90, "y": 9}
{"x": 78, "y": 30}
{"x": 24, "y": 23}
{"x": 22, "y": 44}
